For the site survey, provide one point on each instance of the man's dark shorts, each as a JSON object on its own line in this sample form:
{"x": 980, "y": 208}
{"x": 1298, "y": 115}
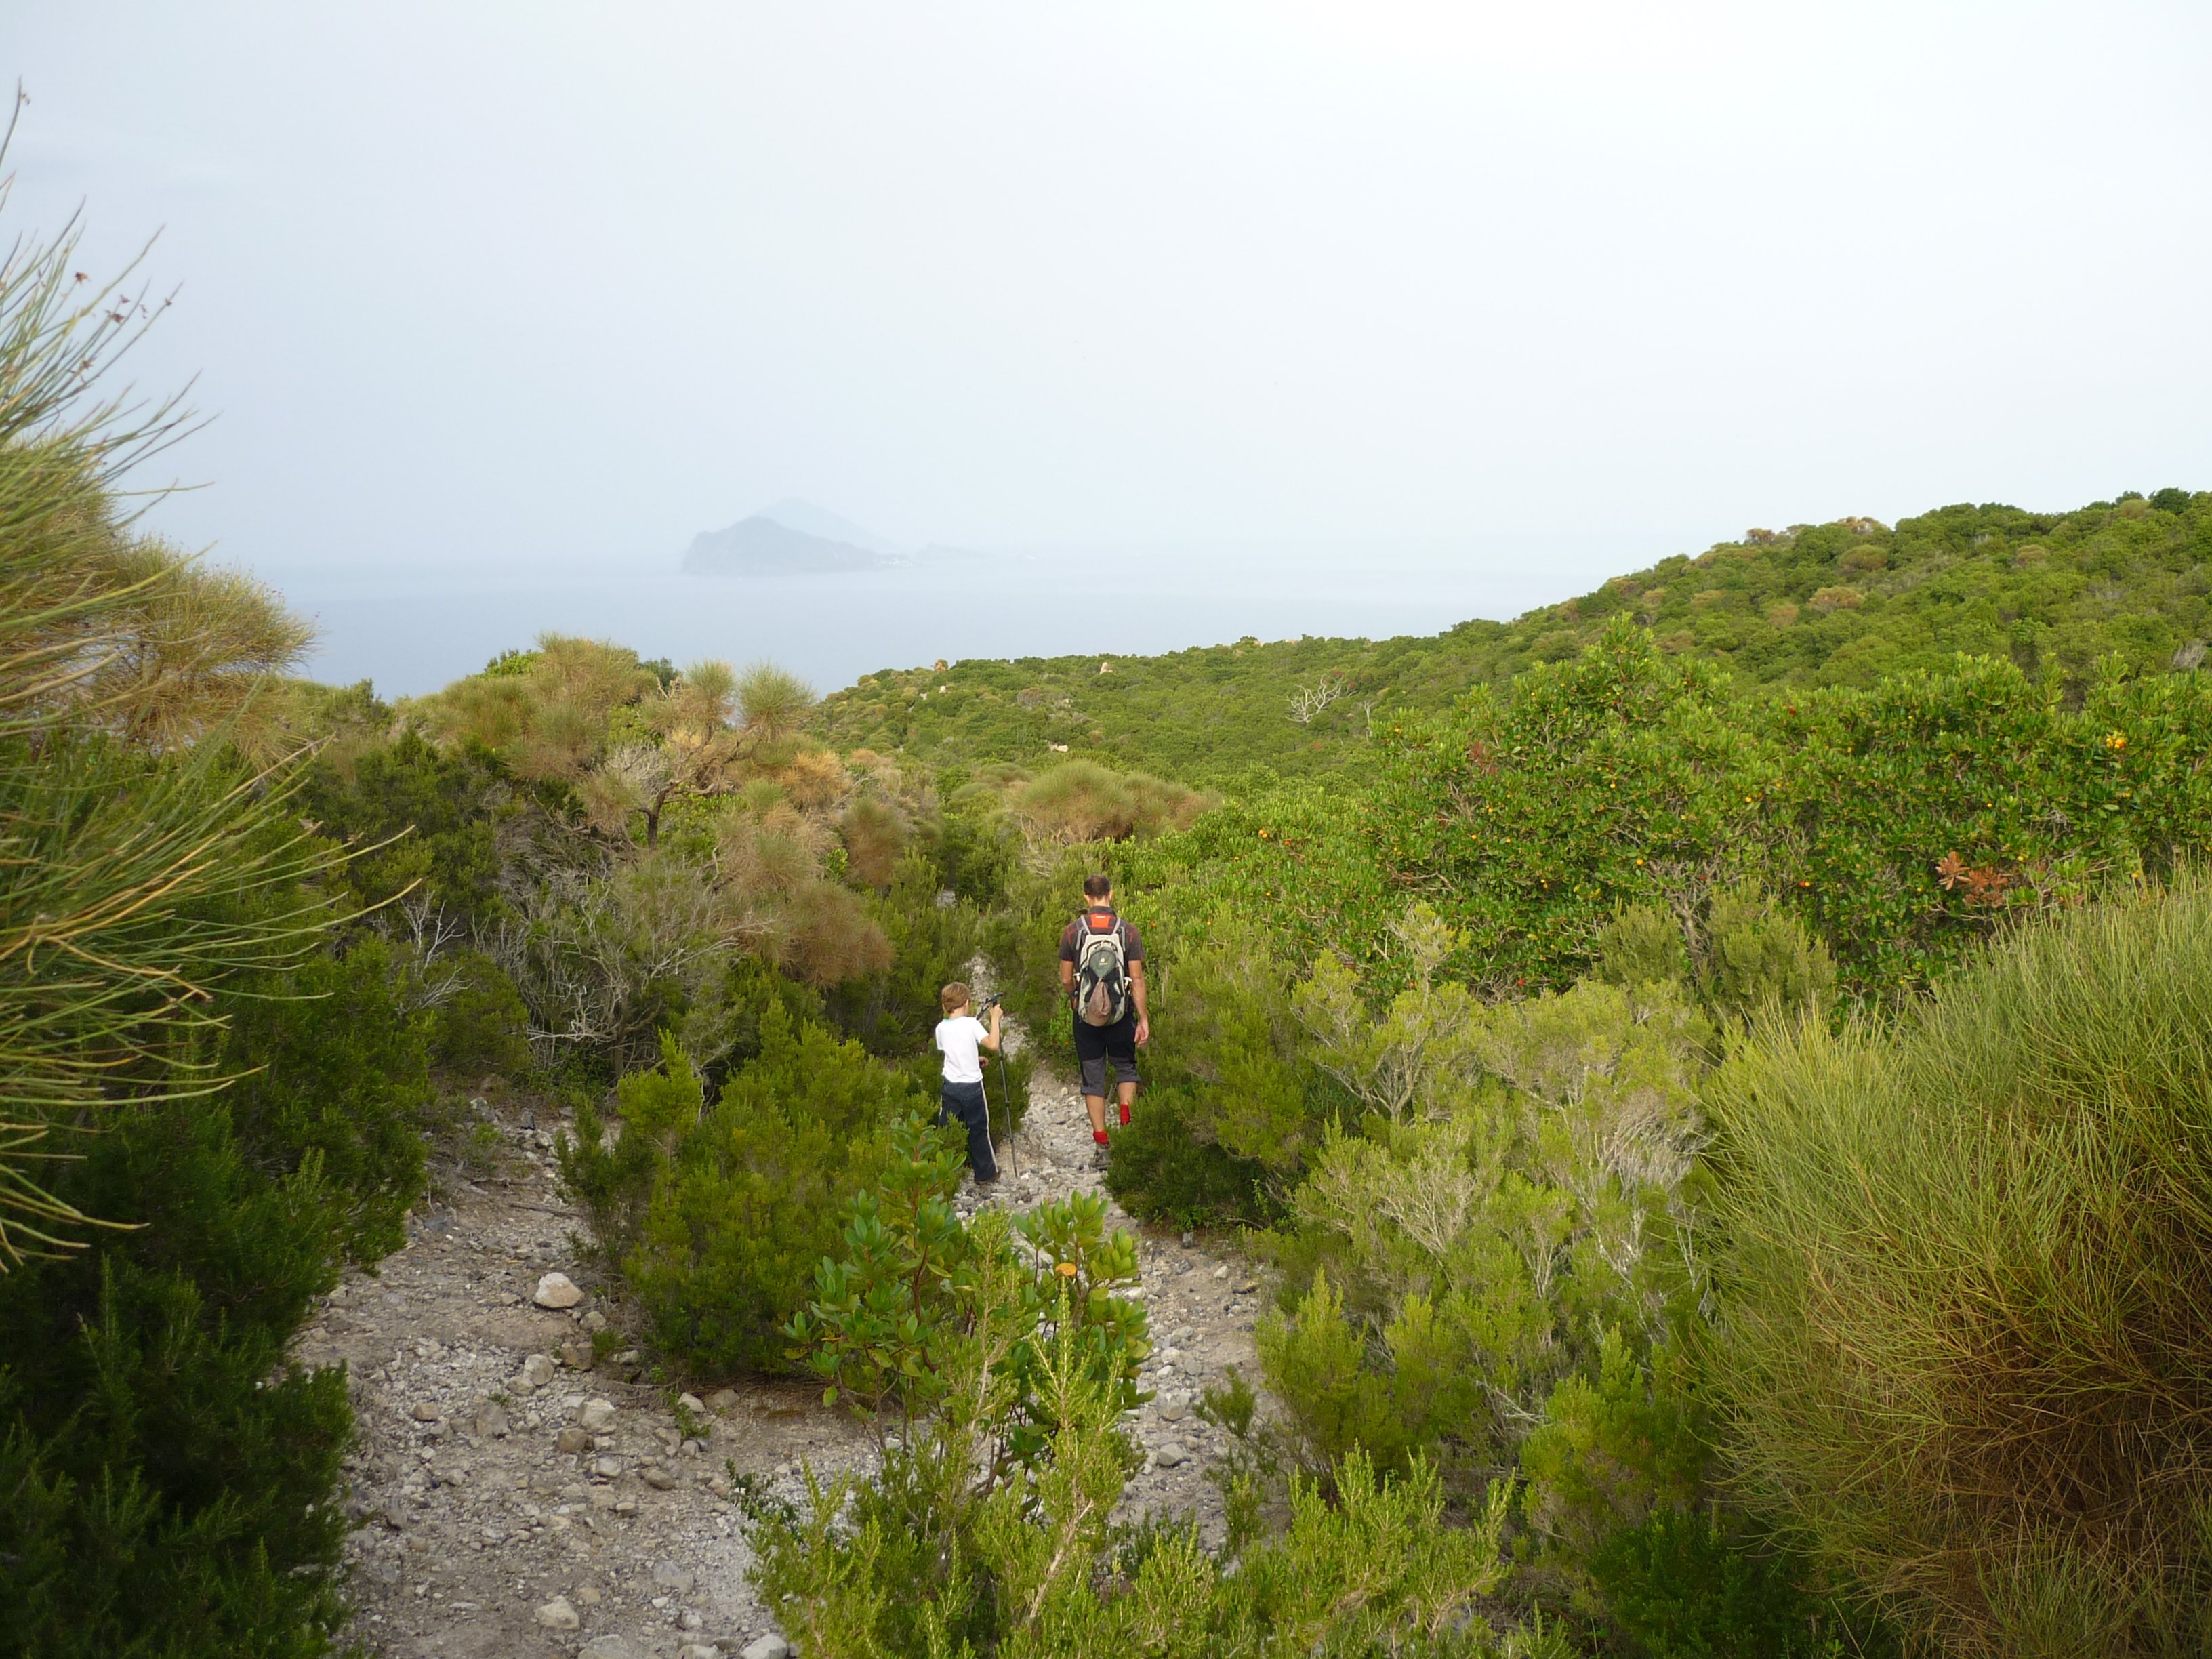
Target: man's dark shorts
{"x": 1097, "y": 1045}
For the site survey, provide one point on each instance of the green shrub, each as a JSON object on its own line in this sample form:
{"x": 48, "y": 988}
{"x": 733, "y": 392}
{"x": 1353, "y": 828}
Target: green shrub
{"x": 1758, "y": 958}
{"x": 479, "y": 1024}
{"x": 1230, "y": 1106}
{"x": 420, "y": 815}
{"x": 1966, "y": 1308}
{"x": 1679, "y": 1588}
{"x": 1163, "y": 1171}
{"x": 1641, "y": 946}
{"x": 895, "y": 1009}
{"x": 327, "y": 1064}
{"x": 171, "y": 1475}
{"x": 717, "y": 1217}
{"x": 985, "y": 1526}
{"x": 1459, "y": 1270}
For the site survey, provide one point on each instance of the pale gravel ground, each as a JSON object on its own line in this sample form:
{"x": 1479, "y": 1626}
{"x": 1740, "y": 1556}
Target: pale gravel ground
{"x": 467, "y": 1532}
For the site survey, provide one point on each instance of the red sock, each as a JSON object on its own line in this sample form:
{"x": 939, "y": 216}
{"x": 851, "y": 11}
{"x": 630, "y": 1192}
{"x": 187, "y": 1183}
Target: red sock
{"x": 1125, "y": 1114}
{"x": 1098, "y": 1135}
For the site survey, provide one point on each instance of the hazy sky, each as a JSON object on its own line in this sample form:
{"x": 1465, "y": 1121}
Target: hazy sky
{"x": 472, "y": 283}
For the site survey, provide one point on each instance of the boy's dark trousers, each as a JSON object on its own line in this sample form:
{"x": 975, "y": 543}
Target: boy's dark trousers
{"x": 963, "y": 1102}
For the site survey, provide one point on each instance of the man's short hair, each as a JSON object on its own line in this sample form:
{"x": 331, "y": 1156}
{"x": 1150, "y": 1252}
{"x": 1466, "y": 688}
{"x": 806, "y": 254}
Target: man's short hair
{"x": 1100, "y": 886}
{"x": 954, "y": 996}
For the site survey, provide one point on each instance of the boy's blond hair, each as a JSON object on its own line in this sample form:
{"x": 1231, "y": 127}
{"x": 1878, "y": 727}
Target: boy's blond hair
{"x": 954, "y": 997}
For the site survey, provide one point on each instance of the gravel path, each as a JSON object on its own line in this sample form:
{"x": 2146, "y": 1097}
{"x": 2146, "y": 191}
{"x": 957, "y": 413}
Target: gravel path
{"x": 518, "y": 1499}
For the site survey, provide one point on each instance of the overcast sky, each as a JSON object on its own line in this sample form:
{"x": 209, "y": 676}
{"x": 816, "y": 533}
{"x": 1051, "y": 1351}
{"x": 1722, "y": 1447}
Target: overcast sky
{"x": 471, "y": 283}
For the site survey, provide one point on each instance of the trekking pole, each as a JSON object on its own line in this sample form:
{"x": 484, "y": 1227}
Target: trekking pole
{"x": 1013, "y": 1154}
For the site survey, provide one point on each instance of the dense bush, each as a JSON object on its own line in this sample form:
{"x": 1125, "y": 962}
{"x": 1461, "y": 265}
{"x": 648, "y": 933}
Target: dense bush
{"x": 327, "y": 1064}
{"x": 1081, "y": 801}
{"x": 717, "y": 1216}
{"x": 894, "y": 1009}
{"x": 171, "y": 1477}
{"x": 171, "y": 1474}
{"x": 985, "y": 1525}
{"x": 1967, "y": 1296}
{"x": 1901, "y": 825}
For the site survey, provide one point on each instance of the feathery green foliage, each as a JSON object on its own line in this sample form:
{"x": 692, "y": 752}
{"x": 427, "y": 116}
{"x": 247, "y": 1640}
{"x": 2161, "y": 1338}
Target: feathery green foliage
{"x": 1966, "y": 1288}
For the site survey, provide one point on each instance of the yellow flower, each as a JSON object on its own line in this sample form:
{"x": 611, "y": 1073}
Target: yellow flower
{"x": 1066, "y": 1270}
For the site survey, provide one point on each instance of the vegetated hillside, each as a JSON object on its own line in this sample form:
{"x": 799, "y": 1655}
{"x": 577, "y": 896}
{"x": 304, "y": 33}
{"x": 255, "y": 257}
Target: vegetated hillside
{"x": 1814, "y": 605}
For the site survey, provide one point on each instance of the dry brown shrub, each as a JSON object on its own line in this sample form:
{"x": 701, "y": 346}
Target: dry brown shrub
{"x": 830, "y": 938}
{"x": 874, "y": 837}
{"x": 814, "y": 780}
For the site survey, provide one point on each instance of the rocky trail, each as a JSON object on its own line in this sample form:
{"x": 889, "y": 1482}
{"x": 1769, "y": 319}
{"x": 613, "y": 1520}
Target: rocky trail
{"x": 521, "y": 1495}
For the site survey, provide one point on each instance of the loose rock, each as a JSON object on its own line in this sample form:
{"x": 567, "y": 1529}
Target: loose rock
{"x": 1169, "y": 1455}
{"x": 768, "y": 1647}
{"x": 557, "y": 1291}
{"x": 426, "y": 1411}
{"x": 573, "y": 1439}
{"x": 610, "y": 1647}
{"x": 491, "y": 1421}
{"x": 557, "y": 1614}
{"x": 597, "y": 1416}
{"x": 669, "y": 1575}
{"x": 537, "y": 1371}
{"x": 657, "y": 1478}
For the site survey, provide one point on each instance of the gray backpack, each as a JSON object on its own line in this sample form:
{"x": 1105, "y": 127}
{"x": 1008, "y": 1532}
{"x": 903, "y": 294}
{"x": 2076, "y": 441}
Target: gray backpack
{"x": 1101, "y": 969}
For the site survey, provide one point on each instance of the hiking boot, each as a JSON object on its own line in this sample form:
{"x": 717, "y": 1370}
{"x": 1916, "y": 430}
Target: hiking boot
{"x": 1102, "y": 1158}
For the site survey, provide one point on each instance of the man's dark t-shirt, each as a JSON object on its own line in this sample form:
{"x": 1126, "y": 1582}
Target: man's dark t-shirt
{"x": 1132, "y": 948}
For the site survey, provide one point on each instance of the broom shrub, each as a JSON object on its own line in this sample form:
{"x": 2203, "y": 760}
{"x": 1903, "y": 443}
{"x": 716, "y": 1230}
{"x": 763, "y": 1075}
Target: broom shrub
{"x": 1967, "y": 1288}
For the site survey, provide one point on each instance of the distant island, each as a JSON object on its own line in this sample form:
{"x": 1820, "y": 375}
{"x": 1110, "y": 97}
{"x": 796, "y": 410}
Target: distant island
{"x": 792, "y": 537}
{"x": 760, "y": 546}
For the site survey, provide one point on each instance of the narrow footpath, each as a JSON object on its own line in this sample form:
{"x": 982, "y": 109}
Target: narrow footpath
{"x": 519, "y": 1499}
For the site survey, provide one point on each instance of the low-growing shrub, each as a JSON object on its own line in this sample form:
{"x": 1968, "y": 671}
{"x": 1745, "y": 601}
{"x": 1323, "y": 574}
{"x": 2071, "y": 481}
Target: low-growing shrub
{"x": 1967, "y": 1315}
{"x": 717, "y": 1216}
{"x": 327, "y": 1065}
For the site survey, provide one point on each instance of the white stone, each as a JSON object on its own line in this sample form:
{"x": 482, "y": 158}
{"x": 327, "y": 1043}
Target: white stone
{"x": 426, "y": 1411}
{"x": 491, "y": 1421}
{"x": 597, "y": 1416}
{"x": 692, "y": 1403}
{"x": 1169, "y": 1455}
{"x": 1174, "y": 1408}
{"x": 768, "y": 1647}
{"x": 537, "y": 1371}
{"x": 610, "y": 1647}
{"x": 557, "y": 1614}
{"x": 669, "y": 1576}
{"x": 557, "y": 1291}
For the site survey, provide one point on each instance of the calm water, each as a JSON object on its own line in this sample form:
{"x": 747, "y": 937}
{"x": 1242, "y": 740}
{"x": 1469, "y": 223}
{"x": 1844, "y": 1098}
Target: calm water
{"x": 413, "y": 630}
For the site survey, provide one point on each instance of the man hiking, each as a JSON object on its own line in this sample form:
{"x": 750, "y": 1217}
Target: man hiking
{"x": 959, "y": 1035}
{"x": 1102, "y": 969}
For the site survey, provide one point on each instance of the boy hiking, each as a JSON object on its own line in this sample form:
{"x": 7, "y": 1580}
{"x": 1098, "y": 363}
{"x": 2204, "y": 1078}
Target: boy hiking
{"x": 959, "y": 1038}
{"x": 1102, "y": 969}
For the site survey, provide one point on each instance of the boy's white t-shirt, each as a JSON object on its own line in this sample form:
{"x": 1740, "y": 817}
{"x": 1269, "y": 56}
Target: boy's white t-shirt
{"x": 957, "y": 1040}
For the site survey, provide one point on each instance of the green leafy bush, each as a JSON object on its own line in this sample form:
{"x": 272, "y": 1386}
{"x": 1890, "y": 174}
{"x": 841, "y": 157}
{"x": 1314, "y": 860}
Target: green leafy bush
{"x": 717, "y": 1216}
{"x": 476, "y": 1024}
{"x": 1965, "y": 1291}
{"x": 1230, "y": 1106}
{"x": 327, "y": 1064}
{"x": 1496, "y": 1262}
{"x": 985, "y": 1525}
{"x": 172, "y": 1475}
{"x": 1680, "y": 1587}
